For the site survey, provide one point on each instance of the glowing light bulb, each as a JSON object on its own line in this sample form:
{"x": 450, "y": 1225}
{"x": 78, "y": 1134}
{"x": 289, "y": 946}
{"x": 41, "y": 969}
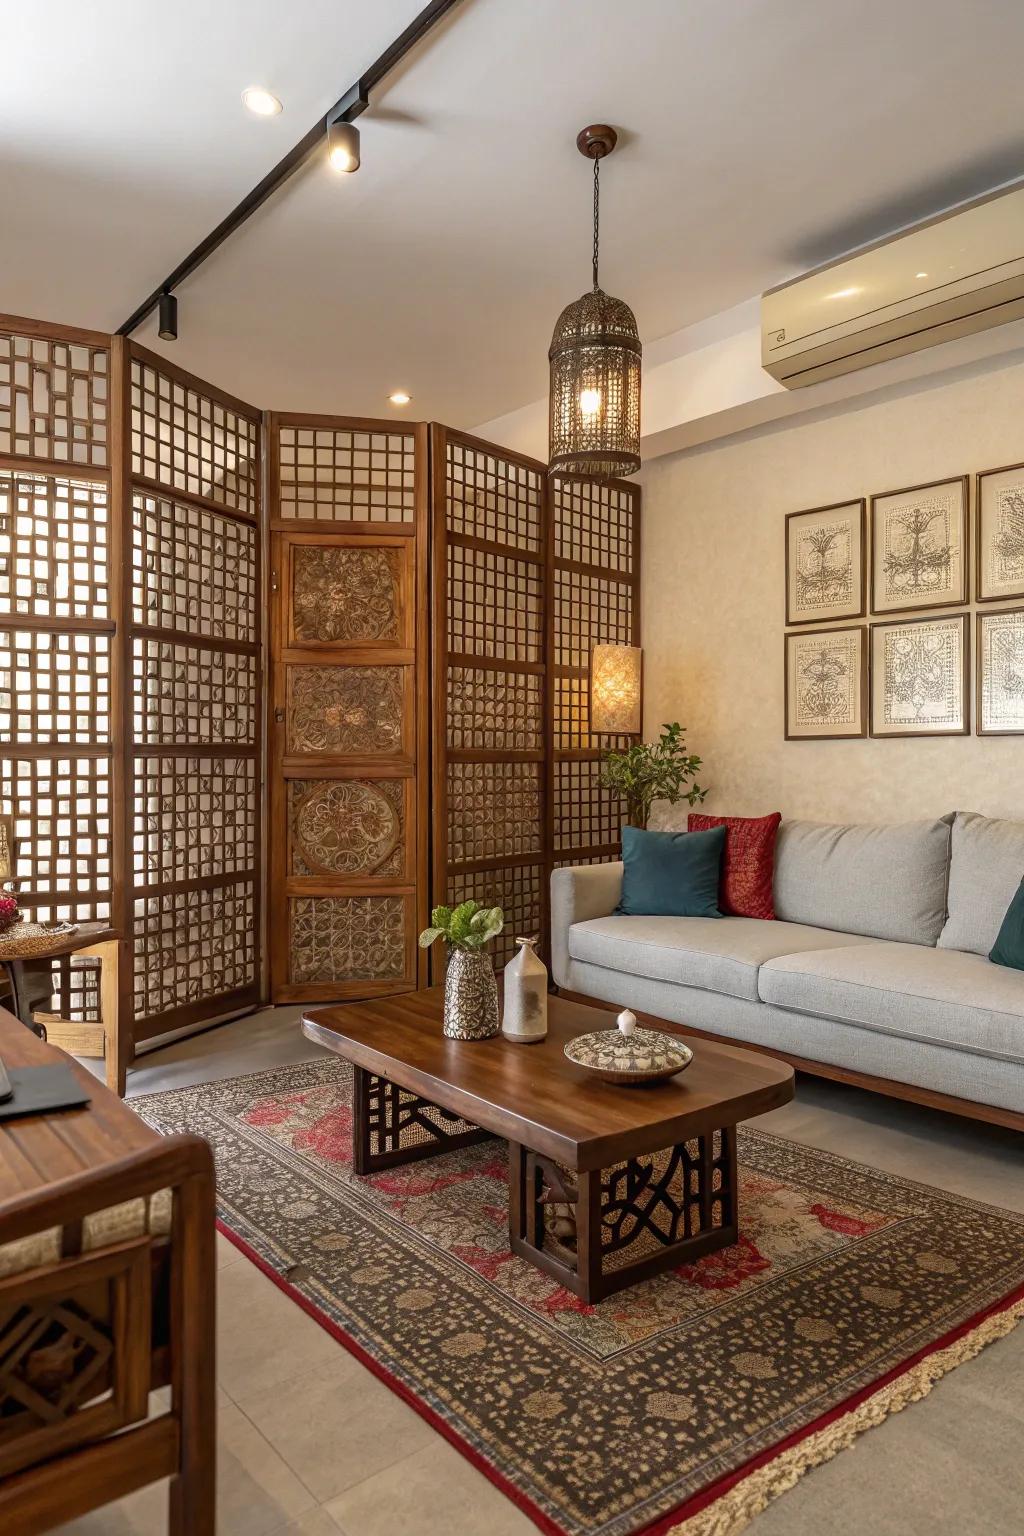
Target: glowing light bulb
{"x": 590, "y": 402}
{"x": 261, "y": 101}
{"x": 400, "y": 397}
{"x": 343, "y": 160}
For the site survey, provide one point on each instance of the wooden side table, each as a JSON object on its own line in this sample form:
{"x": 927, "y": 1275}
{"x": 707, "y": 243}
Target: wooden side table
{"x": 109, "y": 1038}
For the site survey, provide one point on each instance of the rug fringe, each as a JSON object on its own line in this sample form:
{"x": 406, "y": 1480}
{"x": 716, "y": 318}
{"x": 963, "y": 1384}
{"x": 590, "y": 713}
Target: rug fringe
{"x": 733, "y": 1512}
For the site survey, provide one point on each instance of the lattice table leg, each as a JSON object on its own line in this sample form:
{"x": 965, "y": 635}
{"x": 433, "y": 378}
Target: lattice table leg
{"x": 602, "y": 1230}
{"x": 392, "y": 1125}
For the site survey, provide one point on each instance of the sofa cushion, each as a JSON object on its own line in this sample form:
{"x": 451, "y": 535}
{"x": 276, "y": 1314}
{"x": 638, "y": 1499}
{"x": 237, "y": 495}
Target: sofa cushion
{"x": 748, "y": 862}
{"x": 717, "y": 954}
{"x": 1009, "y": 946}
{"x": 671, "y": 874}
{"x": 986, "y": 867}
{"x": 886, "y": 882}
{"x": 944, "y": 996}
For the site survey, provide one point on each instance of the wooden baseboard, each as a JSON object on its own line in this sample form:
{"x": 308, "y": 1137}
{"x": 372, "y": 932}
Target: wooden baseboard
{"x": 970, "y": 1110}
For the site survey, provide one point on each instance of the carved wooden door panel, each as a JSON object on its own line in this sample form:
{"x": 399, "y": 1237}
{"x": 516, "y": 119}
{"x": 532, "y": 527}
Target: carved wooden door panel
{"x": 349, "y": 684}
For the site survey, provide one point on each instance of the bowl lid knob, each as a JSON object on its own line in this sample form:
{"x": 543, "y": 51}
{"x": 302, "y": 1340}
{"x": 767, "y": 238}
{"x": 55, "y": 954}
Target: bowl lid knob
{"x": 626, "y": 1021}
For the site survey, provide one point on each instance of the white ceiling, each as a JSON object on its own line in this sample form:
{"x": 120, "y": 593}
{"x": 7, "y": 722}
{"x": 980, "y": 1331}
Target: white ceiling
{"x": 758, "y": 137}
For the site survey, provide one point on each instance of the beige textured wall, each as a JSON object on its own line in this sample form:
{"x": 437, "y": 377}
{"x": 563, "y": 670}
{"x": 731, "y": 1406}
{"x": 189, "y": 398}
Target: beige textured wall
{"x": 714, "y": 608}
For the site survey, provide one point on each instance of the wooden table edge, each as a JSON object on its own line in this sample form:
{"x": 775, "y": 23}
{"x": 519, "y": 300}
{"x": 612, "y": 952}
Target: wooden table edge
{"x": 583, "y": 1156}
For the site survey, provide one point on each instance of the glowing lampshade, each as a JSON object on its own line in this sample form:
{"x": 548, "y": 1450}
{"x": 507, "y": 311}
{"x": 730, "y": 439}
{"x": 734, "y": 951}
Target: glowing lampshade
{"x": 615, "y": 673}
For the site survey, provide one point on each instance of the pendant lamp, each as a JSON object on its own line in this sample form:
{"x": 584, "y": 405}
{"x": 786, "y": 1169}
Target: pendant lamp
{"x": 595, "y": 366}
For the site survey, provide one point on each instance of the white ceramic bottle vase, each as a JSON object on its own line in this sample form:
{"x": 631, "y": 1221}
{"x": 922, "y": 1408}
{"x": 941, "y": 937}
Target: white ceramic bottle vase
{"x": 525, "y": 1015}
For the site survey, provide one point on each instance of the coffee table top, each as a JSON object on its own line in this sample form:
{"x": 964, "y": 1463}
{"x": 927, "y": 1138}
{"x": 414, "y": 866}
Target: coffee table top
{"x": 533, "y": 1095}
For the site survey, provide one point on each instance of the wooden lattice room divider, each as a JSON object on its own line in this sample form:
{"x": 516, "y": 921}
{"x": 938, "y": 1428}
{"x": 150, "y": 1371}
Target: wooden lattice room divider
{"x": 530, "y": 572}
{"x": 492, "y": 708}
{"x": 60, "y": 611}
{"x": 434, "y": 600}
{"x": 596, "y": 576}
{"x": 349, "y": 744}
{"x": 193, "y": 736}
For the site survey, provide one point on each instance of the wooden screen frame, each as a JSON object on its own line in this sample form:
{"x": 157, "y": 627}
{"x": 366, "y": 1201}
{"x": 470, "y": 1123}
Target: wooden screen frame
{"x": 444, "y": 872}
{"x": 110, "y": 476}
{"x": 246, "y": 997}
{"x": 411, "y": 764}
{"x": 577, "y": 853}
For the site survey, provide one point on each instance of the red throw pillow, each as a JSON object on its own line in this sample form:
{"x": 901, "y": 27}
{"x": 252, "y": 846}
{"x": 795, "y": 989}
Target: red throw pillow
{"x": 745, "y": 888}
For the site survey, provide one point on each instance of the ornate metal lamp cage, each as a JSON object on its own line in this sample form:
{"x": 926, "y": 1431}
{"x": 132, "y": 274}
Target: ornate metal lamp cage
{"x": 595, "y": 366}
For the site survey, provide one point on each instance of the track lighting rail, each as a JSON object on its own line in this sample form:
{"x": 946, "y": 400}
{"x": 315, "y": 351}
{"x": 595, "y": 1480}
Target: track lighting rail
{"x": 346, "y": 109}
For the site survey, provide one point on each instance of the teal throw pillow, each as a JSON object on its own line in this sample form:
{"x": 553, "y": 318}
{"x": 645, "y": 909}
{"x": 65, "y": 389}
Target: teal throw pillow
{"x": 1009, "y": 946}
{"x": 670, "y": 874}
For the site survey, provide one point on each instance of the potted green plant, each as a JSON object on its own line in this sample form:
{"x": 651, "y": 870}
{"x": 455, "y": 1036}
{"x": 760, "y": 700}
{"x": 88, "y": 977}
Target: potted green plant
{"x": 470, "y": 992}
{"x": 649, "y": 771}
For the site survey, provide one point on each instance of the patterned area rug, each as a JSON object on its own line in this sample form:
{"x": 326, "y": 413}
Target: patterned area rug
{"x": 681, "y": 1405}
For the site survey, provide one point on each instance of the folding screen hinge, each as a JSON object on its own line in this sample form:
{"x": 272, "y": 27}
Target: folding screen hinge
{"x": 273, "y": 581}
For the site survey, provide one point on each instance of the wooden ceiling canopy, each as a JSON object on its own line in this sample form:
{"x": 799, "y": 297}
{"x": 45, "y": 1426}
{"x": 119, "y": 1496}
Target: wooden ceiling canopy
{"x": 432, "y": 601}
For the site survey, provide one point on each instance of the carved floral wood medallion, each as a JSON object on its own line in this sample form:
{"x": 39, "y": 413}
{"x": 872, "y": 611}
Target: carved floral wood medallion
{"x": 345, "y": 595}
{"x": 355, "y": 711}
{"x": 347, "y": 938}
{"x": 347, "y": 827}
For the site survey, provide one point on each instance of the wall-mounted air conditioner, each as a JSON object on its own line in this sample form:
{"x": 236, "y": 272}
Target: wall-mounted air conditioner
{"x": 960, "y": 272}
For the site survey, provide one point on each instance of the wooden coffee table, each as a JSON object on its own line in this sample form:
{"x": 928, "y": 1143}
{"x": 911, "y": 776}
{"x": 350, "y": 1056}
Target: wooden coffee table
{"x": 588, "y": 1202}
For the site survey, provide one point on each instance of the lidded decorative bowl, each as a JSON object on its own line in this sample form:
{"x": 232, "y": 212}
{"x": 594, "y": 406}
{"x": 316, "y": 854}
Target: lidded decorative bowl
{"x": 629, "y": 1054}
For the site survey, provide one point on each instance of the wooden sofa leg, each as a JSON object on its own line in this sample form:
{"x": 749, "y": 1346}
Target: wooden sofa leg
{"x": 193, "y": 1492}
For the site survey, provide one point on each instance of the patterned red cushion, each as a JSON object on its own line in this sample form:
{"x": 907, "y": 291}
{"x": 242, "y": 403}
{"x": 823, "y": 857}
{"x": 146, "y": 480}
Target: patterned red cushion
{"x": 747, "y": 863}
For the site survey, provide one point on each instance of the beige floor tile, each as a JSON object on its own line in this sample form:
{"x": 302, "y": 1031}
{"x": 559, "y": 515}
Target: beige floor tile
{"x": 257, "y": 1493}
{"x": 316, "y": 1523}
{"x": 263, "y": 1339}
{"x": 434, "y": 1493}
{"x": 338, "y": 1425}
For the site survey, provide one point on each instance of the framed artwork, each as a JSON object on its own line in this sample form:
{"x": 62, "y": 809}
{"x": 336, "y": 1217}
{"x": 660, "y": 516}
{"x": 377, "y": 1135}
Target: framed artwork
{"x": 919, "y": 545}
{"x": 920, "y": 677}
{"x": 1000, "y": 537}
{"x": 826, "y": 684}
{"x": 826, "y": 563}
{"x": 1000, "y": 673}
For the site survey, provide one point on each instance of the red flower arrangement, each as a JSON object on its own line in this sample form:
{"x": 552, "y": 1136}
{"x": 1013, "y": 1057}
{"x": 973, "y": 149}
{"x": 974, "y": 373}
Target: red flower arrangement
{"x": 9, "y": 913}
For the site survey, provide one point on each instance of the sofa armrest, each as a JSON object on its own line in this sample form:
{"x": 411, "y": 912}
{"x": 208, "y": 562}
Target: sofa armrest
{"x": 579, "y": 893}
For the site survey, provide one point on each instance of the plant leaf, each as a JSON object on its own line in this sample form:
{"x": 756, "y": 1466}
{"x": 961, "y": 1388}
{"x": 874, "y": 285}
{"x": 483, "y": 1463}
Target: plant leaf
{"x": 440, "y": 917}
{"x": 428, "y": 936}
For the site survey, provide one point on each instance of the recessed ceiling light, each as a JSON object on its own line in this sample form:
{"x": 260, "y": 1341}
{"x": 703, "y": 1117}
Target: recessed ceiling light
{"x": 399, "y": 397}
{"x": 261, "y": 101}
{"x": 921, "y": 275}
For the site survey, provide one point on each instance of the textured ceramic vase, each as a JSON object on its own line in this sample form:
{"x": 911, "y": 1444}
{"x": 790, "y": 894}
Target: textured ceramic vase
{"x": 470, "y": 996}
{"x": 525, "y": 993}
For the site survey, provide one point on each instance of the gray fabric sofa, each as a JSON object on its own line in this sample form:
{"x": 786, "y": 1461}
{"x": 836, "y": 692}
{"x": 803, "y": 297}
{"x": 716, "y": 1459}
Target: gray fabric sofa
{"x": 876, "y": 965}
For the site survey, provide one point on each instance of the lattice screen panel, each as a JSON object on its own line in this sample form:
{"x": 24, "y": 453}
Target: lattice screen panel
{"x": 195, "y": 818}
{"x": 596, "y": 601}
{"x": 54, "y": 401}
{"x": 194, "y": 569}
{"x": 492, "y": 733}
{"x": 186, "y": 438}
{"x": 62, "y": 833}
{"x": 54, "y": 687}
{"x": 336, "y": 474}
{"x": 347, "y": 939}
{"x": 195, "y": 697}
{"x": 194, "y": 948}
{"x": 53, "y": 547}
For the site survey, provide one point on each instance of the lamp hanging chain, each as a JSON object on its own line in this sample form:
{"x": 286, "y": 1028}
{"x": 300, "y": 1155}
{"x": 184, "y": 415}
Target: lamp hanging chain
{"x": 597, "y": 213}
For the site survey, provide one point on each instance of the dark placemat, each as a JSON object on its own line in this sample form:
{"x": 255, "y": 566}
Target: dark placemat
{"x": 42, "y": 1088}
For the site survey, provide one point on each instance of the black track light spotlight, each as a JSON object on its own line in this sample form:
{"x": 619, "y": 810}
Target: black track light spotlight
{"x": 168, "y": 328}
{"x": 343, "y": 146}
